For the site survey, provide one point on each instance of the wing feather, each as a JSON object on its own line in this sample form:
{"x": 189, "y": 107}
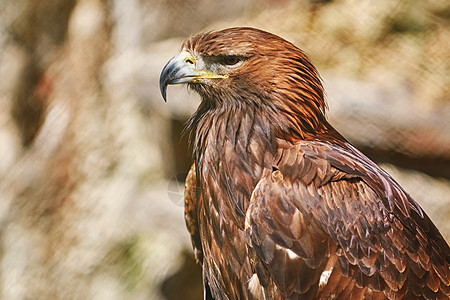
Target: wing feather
{"x": 330, "y": 209}
{"x": 191, "y": 201}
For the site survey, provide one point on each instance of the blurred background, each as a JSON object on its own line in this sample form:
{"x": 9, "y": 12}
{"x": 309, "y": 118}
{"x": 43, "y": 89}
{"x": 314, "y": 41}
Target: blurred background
{"x": 91, "y": 159}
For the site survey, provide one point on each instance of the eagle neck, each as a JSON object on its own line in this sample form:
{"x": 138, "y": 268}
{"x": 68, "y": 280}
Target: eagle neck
{"x": 230, "y": 142}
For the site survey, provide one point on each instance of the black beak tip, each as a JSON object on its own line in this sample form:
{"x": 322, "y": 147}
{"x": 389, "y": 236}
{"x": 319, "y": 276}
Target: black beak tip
{"x": 164, "y": 93}
{"x": 163, "y": 86}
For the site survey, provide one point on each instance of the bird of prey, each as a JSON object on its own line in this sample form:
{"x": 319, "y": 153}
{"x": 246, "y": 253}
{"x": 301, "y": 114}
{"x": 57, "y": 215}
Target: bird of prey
{"x": 278, "y": 204}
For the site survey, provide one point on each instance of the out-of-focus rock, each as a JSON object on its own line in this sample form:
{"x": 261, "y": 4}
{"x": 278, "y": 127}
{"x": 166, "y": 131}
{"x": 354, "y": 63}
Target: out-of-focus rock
{"x": 373, "y": 115}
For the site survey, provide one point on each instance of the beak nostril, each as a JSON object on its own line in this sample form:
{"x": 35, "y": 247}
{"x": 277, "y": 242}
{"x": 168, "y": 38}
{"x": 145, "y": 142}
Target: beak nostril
{"x": 189, "y": 61}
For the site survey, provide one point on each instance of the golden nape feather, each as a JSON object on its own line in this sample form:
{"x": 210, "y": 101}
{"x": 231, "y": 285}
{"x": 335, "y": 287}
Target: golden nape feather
{"x": 278, "y": 204}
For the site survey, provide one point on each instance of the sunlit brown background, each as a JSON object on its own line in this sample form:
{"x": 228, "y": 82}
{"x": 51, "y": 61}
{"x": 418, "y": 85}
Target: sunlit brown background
{"x": 91, "y": 158}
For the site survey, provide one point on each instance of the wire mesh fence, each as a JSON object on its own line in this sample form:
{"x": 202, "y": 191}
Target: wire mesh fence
{"x": 91, "y": 157}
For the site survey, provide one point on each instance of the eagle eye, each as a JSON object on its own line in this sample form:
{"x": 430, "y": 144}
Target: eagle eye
{"x": 230, "y": 60}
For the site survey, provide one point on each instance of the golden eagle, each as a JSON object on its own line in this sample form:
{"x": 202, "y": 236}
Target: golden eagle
{"x": 278, "y": 204}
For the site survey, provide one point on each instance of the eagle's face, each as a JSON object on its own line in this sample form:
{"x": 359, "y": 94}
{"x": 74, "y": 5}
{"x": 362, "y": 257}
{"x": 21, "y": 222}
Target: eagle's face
{"x": 223, "y": 63}
{"x": 204, "y": 73}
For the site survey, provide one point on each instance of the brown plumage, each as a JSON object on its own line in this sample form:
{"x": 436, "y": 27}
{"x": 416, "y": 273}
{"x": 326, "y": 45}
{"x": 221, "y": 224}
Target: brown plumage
{"x": 278, "y": 204}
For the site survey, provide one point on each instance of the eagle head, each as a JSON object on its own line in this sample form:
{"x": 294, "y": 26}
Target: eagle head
{"x": 248, "y": 67}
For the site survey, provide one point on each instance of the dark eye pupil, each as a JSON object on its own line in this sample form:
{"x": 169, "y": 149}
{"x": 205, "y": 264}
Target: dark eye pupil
{"x": 231, "y": 60}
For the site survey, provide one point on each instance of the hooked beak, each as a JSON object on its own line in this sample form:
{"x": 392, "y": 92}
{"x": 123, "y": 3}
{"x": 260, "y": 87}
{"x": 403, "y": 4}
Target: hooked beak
{"x": 182, "y": 68}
